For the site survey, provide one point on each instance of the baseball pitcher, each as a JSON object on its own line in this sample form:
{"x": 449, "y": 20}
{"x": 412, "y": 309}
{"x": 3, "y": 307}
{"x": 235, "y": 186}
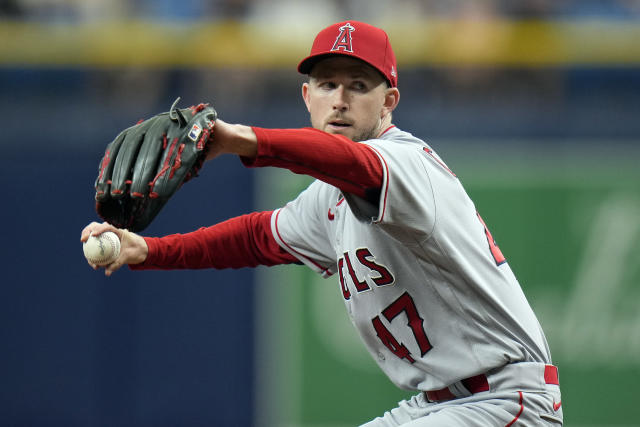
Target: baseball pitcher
{"x": 423, "y": 281}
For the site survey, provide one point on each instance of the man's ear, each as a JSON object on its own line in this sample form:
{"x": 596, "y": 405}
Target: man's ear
{"x": 391, "y": 100}
{"x": 306, "y": 96}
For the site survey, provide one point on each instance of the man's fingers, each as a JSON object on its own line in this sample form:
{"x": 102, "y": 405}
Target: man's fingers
{"x": 133, "y": 248}
{"x": 96, "y": 228}
{"x": 87, "y": 231}
{"x": 112, "y": 268}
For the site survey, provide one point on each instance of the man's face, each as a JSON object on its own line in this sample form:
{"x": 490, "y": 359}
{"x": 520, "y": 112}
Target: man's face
{"x": 346, "y": 96}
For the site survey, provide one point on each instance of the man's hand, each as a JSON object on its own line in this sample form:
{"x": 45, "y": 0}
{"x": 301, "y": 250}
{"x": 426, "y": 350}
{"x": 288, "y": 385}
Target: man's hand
{"x": 133, "y": 248}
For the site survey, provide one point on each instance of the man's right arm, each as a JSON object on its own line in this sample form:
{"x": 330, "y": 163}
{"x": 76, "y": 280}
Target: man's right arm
{"x": 243, "y": 241}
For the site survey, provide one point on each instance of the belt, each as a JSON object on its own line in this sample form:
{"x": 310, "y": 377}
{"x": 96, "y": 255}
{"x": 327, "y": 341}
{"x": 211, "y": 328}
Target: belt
{"x": 479, "y": 383}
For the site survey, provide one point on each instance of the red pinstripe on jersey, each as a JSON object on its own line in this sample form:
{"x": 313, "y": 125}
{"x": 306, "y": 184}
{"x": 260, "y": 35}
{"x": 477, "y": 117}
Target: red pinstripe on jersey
{"x": 385, "y": 167}
{"x": 322, "y": 269}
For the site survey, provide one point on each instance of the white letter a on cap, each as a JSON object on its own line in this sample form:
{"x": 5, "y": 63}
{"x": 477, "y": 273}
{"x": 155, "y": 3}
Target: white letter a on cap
{"x": 343, "y": 41}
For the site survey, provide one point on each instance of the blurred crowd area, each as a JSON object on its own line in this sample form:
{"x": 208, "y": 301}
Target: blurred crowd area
{"x": 283, "y": 10}
{"x": 494, "y": 104}
{"x": 560, "y": 100}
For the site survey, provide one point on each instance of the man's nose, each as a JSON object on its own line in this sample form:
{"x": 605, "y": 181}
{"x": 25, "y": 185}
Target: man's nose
{"x": 340, "y": 99}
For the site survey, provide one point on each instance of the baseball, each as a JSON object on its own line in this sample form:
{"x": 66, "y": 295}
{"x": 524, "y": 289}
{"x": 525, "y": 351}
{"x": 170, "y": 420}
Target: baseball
{"x": 102, "y": 249}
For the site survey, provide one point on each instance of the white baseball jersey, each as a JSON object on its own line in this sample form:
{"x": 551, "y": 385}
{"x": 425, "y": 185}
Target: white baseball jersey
{"x": 424, "y": 284}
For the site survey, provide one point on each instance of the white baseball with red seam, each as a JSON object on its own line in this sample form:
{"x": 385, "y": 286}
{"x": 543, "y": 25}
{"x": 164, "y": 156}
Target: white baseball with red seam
{"x": 102, "y": 249}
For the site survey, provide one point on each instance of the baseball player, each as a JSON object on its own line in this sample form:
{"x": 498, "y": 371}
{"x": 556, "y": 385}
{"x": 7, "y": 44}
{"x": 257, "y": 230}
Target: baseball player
{"x": 423, "y": 281}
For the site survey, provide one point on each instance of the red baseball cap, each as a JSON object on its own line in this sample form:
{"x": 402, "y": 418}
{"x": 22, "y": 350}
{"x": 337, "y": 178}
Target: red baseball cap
{"x": 356, "y": 39}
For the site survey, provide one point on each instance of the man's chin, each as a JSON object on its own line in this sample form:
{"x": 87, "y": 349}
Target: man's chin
{"x": 352, "y": 133}
{"x": 347, "y": 131}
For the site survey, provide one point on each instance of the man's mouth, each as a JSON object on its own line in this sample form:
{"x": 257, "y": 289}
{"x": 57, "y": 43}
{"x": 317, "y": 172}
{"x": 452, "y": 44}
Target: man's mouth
{"x": 339, "y": 124}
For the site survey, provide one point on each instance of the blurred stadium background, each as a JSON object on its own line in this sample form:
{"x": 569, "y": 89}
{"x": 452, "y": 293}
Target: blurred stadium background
{"x": 535, "y": 104}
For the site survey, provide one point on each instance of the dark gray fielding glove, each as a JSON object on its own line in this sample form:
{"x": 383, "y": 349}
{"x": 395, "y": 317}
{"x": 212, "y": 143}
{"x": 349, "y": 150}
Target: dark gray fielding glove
{"x": 147, "y": 163}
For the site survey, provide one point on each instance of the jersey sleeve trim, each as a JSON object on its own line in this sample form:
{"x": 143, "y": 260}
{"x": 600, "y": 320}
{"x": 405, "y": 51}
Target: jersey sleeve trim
{"x": 387, "y": 130}
{"x": 324, "y": 271}
{"x": 384, "y": 188}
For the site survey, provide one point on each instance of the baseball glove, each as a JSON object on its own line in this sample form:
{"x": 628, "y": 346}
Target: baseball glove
{"x": 147, "y": 163}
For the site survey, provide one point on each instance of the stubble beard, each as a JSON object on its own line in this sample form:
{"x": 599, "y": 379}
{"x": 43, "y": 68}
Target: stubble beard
{"x": 366, "y": 134}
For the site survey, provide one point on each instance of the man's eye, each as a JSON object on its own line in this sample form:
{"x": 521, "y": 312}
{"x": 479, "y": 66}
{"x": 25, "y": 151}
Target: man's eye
{"x": 359, "y": 86}
{"x": 327, "y": 85}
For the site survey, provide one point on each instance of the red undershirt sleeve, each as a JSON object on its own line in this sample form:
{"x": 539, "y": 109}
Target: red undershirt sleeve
{"x": 244, "y": 241}
{"x": 350, "y": 166}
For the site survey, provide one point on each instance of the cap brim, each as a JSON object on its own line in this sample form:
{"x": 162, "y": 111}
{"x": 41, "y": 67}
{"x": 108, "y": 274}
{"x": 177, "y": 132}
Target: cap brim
{"x": 307, "y": 64}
